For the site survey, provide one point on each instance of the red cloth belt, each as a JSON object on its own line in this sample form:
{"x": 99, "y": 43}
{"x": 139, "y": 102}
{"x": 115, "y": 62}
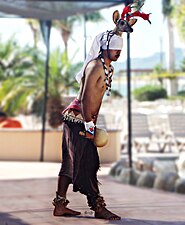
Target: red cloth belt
{"x": 75, "y": 104}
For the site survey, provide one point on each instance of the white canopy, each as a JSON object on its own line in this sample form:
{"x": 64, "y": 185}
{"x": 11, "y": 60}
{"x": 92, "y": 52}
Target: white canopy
{"x": 51, "y": 9}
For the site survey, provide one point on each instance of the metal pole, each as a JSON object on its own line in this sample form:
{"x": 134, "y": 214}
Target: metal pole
{"x": 127, "y": 2}
{"x": 46, "y": 35}
{"x": 44, "y": 106}
{"x": 129, "y": 102}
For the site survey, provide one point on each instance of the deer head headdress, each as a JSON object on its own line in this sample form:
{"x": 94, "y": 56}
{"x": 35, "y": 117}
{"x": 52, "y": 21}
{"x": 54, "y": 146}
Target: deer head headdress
{"x": 125, "y": 22}
{"x": 113, "y": 39}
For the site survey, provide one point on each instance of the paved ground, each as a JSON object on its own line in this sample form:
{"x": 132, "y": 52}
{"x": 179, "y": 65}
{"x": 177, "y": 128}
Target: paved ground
{"x": 27, "y": 190}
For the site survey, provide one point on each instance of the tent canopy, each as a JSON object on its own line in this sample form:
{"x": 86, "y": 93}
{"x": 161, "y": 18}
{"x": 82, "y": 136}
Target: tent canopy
{"x": 51, "y": 9}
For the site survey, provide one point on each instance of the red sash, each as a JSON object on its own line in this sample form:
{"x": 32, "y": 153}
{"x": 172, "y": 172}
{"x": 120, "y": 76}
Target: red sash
{"x": 75, "y": 104}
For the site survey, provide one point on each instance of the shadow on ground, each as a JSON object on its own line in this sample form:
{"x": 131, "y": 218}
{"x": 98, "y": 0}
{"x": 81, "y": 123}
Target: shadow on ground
{"x": 127, "y": 221}
{"x": 8, "y": 219}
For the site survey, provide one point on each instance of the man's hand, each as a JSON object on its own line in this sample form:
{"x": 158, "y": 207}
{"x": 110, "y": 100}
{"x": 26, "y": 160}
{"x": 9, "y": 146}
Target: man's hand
{"x": 90, "y": 127}
{"x": 89, "y": 130}
{"x": 86, "y": 135}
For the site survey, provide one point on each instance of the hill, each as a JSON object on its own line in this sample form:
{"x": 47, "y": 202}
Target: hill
{"x": 151, "y": 61}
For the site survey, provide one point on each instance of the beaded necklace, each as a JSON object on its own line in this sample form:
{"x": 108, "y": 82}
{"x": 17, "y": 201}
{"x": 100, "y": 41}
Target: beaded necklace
{"x": 108, "y": 76}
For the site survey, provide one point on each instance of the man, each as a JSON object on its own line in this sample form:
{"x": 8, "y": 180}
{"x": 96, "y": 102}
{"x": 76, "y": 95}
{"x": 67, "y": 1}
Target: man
{"x": 80, "y": 158}
{"x": 7, "y": 122}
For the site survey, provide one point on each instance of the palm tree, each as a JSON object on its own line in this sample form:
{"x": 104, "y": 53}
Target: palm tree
{"x": 180, "y": 18}
{"x": 14, "y": 62}
{"x": 17, "y": 91}
{"x": 167, "y": 10}
{"x": 66, "y": 26}
{"x": 35, "y": 28}
{"x": 90, "y": 17}
{"x": 25, "y": 93}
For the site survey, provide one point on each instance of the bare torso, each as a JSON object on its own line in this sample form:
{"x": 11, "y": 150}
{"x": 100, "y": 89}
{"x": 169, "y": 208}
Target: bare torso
{"x": 92, "y": 90}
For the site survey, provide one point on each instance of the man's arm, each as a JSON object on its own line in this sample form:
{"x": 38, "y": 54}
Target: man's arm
{"x": 89, "y": 91}
{"x": 87, "y": 98}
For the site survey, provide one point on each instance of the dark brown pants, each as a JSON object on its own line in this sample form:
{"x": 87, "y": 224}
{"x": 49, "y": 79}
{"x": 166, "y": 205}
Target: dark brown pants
{"x": 80, "y": 161}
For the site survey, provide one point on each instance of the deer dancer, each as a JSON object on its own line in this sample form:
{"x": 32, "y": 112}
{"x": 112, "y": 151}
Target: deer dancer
{"x": 79, "y": 148}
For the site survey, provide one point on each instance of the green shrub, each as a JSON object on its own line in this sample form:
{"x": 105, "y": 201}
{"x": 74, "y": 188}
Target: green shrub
{"x": 181, "y": 93}
{"x": 149, "y": 93}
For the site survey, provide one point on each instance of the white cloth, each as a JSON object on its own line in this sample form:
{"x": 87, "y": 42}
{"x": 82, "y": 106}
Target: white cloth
{"x": 101, "y": 40}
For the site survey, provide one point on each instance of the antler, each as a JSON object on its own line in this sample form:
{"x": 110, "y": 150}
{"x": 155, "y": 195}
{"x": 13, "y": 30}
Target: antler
{"x": 137, "y": 4}
{"x": 127, "y": 14}
{"x": 125, "y": 22}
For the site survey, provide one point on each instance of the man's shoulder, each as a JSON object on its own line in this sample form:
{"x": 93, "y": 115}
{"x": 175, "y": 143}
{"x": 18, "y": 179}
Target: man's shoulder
{"x": 95, "y": 65}
{"x": 95, "y": 62}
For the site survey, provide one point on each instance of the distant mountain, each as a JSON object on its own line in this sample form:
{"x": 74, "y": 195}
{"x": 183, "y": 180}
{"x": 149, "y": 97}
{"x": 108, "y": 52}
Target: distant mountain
{"x": 151, "y": 61}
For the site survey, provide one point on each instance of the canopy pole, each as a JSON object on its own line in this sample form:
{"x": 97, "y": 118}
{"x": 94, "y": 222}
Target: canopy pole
{"x": 129, "y": 102}
{"x": 129, "y": 112}
{"x": 45, "y": 28}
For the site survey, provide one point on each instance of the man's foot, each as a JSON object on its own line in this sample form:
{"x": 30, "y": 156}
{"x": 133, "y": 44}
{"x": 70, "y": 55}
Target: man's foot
{"x": 63, "y": 211}
{"x": 104, "y": 213}
{"x": 60, "y": 209}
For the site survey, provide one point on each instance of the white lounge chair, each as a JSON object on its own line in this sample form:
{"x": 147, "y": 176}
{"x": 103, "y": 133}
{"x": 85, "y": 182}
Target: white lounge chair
{"x": 177, "y": 130}
{"x": 142, "y": 136}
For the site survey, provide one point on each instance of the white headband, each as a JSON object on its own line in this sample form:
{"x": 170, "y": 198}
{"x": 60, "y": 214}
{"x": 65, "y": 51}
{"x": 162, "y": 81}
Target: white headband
{"x": 111, "y": 40}
{"x": 103, "y": 40}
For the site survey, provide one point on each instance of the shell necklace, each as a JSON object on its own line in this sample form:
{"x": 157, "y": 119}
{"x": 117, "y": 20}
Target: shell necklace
{"x": 108, "y": 76}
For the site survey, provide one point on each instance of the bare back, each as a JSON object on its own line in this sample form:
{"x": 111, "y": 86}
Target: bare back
{"x": 92, "y": 90}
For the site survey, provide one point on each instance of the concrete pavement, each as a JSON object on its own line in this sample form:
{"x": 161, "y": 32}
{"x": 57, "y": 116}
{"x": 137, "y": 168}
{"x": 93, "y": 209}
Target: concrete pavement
{"x": 27, "y": 189}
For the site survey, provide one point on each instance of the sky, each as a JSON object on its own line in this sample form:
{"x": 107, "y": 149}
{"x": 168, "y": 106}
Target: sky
{"x": 146, "y": 39}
